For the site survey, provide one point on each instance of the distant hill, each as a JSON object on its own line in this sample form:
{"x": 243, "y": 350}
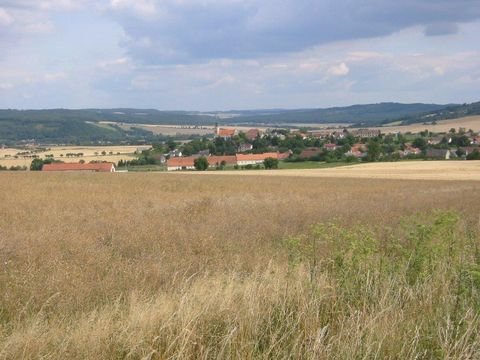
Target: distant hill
{"x": 84, "y": 125}
{"x": 356, "y": 114}
{"x": 445, "y": 113}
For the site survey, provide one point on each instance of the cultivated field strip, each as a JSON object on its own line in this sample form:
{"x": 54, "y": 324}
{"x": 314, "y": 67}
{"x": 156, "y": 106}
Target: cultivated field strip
{"x": 406, "y": 170}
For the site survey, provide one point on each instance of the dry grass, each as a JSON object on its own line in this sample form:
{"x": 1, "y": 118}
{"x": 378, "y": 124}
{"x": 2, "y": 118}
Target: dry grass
{"x": 157, "y": 266}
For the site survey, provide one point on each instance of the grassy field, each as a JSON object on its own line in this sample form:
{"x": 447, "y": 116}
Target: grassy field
{"x": 163, "y": 266}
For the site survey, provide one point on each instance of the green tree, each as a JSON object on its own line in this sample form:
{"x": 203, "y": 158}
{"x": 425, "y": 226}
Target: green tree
{"x": 374, "y": 150}
{"x": 36, "y": 165}
{"x": 270, "y": 163}
{"x": 201, "y": 163}
{"x": 420, "y": 143}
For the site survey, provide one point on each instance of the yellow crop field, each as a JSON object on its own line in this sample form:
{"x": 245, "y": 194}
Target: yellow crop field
{"x": 17, "y": 157}
{"x": 169, "y": 266}
{"x": 407, "y": 170}
{"x": 469, "y": 122}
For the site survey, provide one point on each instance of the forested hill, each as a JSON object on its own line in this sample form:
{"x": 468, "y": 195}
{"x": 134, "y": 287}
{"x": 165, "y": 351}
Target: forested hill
{"x": 366, "y": 114}
{"x": 82, "y": 126}
{"x": 448, "y": 112}
{"x": 369, "y": 114}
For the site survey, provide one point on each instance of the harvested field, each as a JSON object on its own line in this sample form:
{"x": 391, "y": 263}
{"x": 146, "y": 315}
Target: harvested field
{"x": 469, "y": 122}
{"x": 90, "y": 153}
{"x": 168, "y": 266}
{"x": 408, "y": 170}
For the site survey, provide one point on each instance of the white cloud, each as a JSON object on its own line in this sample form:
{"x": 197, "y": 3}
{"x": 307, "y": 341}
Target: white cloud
{"x": 53, "y": 77}
{"x": 143, "y": 8}
{"x": 339, "y": 70}
{"x": 5, "y": 18}
{"x": 6, "y": 86}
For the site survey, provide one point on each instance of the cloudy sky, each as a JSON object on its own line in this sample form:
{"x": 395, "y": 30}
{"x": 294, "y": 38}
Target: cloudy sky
{"x": 237, "y": 54}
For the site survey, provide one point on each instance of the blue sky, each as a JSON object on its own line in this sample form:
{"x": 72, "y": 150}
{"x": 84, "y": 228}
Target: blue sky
{"x": 232, "y": 54}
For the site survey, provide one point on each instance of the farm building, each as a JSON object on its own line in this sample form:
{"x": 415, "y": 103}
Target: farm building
{"x": 180, "y": 163}
{"x": 253, "y": 159}
{"x": 245, "y": 147}
{"x": 214, "y": 161}
{"x": 443, "y": 154}
{"x": 310, "y": 152}
{"x": 92, "y": 167}
{"x": 225, "y": 132}
{"x": 252, "y": 134}
{"x": 187, "y": 163}
{"x": 330, "y": 147}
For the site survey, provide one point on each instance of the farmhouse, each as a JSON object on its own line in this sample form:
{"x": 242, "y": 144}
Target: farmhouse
{"x": 214, "y": 161}
{"x": 180, "y": 163}
{"x": 443, "y": 154}
{"x": 410, "y": 150}
{"x": 365, "y": 133}
{"x": 310, "y": 152}
{"x": 330, "y": 147}
{"x": 244, "y": 147}
{"x": 253, "y": 159}
{"x": 357, "y": 150}
{"x": 225, "y": 133}
{"x": 92, "y": 167}
{"x": 252, "y": 134}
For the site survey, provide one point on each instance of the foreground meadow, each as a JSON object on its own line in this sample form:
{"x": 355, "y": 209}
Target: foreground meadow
{"x": 158, "y": 266}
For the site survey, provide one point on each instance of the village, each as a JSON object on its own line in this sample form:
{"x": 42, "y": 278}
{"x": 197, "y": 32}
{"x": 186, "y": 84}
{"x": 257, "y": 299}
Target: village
{"x": 240, "y": 149}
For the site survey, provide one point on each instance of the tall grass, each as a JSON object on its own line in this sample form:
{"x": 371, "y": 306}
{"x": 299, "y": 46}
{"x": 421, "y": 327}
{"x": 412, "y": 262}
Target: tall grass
{"x": 160, "y": 266}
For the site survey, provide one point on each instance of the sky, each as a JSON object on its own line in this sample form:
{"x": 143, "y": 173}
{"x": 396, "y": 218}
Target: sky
{"x": 210, "y": 55}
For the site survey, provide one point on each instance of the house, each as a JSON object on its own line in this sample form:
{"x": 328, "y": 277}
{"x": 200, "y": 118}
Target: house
{"x": 440, "y": 154}
{"x": 357, "y": 150}
{"x": 254, "y": 159}
{"x": 475, "y": 140}
{"x": 226, "y": 133}
{"x": 252, "y": 134}
{"x": 365, "y": 133}
{"x": 92, "y": 167}
{"x": 410, "y": 150}
{"x": 175, "y": 153}
{"x": 320, "y": 134}
{"x": 285, "y": 155}
{"x": 330, "y": 147}
{"x": 437, "y": 140}
{"x": 310, "y": 152}
{"x": 214, "y": 161}
{"x": 244, "y": 147}
{"x": 468, "y": 150}
{"x": 181, "y": 163}
{"x": 187, "y": 163}
{"x": 204, "y": 153}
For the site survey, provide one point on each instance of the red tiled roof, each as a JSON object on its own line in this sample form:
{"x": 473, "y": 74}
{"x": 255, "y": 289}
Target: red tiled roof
{"x": 99, "y": 167}
{"x": 229, "y": 160}
{"x": 180, "y": 161}
{"x": 226, "y": 132}
{"x": 252, "y": 134}
{"x": 283, "y": 156}
{"x": 256, "y": 157}
{"x": 309, "y": 152}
